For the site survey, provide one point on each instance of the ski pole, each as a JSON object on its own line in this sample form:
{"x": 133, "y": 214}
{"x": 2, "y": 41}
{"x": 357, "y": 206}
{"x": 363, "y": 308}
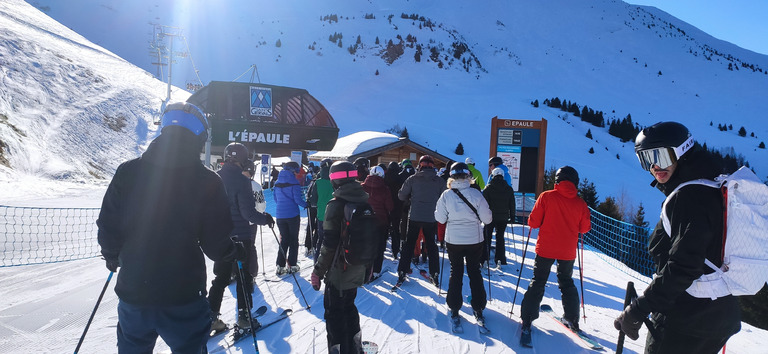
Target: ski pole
{"x": 442, "y": 267}
{"x": 293, "y": 274}
{"x": 248, "y": 302}
{"x": 103, "y": 290}
{"x": 519, "y": 275}
{"x": 261, "y": 240}
{"x": 581, "y": 276}
{"x": 627, "y": 300}
{"x": 488, "y": 268}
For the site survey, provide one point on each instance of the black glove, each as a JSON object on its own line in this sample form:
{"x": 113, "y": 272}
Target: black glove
{"x": 630, "y": 321}
{"x": 269, "y": 220}
{"x": 112, "y": 264}
{"x": 240, "y": 252}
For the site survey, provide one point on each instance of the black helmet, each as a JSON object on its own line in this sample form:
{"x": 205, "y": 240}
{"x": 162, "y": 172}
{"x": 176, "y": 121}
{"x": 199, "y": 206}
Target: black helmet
{"x": 185, "y": 115}
{"x": 567, "y": 173}
{"x": 495, "y": 161}
{"x": 460, "y": 170}
{"x": 362, "y": 161}
{"x": 250, "y": 167}
{"x": 326, "y": 163}
{"x": 662, "y": 144}
{"x": 236, "y": 152}
{"x": 342, "y": 172}
{"x": 292, "y": 166}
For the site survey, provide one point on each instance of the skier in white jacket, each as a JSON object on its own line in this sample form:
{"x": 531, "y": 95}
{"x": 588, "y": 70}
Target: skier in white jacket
{"x": 464, "y": 238}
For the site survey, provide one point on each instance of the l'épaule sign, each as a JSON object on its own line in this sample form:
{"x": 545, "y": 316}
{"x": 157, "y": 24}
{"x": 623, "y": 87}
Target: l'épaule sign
{"x": 262, "y": 136}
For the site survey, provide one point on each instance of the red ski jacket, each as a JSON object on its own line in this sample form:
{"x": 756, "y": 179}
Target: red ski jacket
{"x": 560, "y": 215}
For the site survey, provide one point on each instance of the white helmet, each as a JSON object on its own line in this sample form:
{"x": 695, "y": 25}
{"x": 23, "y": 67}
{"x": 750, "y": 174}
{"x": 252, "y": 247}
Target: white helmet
{"x": 377, "y": 171}
{"x": 497, "y": 172}
{"x": 469, "y": 161}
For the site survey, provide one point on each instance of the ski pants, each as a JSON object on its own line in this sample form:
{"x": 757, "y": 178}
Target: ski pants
{"x": 457, "y": 254}
{"x": 500, "y": 227}
{"x": 222, "y": 272}
{"x": 289, "y": 240}
{"x": 672, "y": 341}
{"x": 311, "y": 231}
{"x": 342, "y": 321}
{"x": 318, "y": 242}
{"x": 568, "y": 291}
{"x": 375, "y": 267}
{"x": 184, "y": 328}
{"x": 430, "y": 230}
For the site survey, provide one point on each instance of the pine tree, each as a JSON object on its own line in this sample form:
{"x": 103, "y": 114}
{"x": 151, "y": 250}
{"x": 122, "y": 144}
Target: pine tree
{"x": 591, "y": 150}
{"x": 589, "y": 133}
{"x": 377, "y": 72}
{"x": 549, "y": 178}
{"x": 639, "y": 218}
{"x": 459, "y": 150}
{"x": 762, "y": 145}
{"x": 278, "y": 43}
{"x": 588, "y": 192}
{"x": 609, "y": 208}
{"x": 742, "y": 132}
{"x": 404, "y": 133}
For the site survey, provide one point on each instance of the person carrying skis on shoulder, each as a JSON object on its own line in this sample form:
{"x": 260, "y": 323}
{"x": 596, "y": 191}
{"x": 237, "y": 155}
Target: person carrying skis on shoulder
{"x": 242, "y": 208}
{"x": 288, "y": 200}
{"x": 463, "y": 210}
{"x": 683, "y": 323}
{"x": 501, "y": 199}
{"x": 560, "y": 215}
{"x": 380, "y": 199}
{"x": 342, "y": 320}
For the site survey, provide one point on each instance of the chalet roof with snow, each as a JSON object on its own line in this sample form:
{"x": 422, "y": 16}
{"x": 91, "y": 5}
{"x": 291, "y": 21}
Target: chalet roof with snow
{"x": 377, "y": 147}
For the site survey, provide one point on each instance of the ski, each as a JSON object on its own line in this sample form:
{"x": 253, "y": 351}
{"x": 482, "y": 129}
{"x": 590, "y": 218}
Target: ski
{"x": 456, "y": 326}
{"x": 481, "y": 326}
{"x": 588, "y": 340}
{"x": 374, "y": 278}
{"x": 426, "y": 276}
{"x": 239, "y": 334}
{"x": 370, "y": 347}
{"x": 257, "y": 313}
{"x": 525, "y": 338}
{"x": 282, "y": 277}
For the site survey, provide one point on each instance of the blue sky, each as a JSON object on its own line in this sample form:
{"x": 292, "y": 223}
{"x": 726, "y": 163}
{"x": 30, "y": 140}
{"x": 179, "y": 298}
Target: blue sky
{"x": 741, "y": 22}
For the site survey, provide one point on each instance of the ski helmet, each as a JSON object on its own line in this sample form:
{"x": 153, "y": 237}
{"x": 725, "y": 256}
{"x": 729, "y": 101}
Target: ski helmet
{"x": 497, "y": 172}
{"x": 567, "y": 173}
{"x": 236, "y": 152}
{"x": 460, "y": 170}
{"x": 495, "y": 161}
{"x": 291, "y": 166}
{"x": 377, "y": 171}
{"x": 469, "y": 161}
{"x": 326, "y": 163}
{"x": 662, "y": 144}
{"x": 342, "y": 172}
{"x": 406, "y": 162}
{"x": 426, "y": 161}
{"x": 362, "y": 162}
{"x": 186, "y": 115}
{"x": 250, "y": 167}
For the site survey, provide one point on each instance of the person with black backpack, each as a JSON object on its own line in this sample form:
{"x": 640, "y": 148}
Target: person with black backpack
{"x": 341, "y": 265}
{"x": 682, "y": 322}
{"x": 464, "y": 211}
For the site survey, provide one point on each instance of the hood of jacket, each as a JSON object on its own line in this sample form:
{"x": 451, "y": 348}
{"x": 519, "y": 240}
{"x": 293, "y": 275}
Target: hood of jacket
{"x": 566, "y": 189}
{"x": 286, "y": 177}
{"x": 459, "y": 184}
{"x": 351, "y": 192}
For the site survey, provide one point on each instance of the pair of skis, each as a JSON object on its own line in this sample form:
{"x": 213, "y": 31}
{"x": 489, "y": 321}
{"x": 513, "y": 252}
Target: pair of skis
{"x": 238, "y": 334}
{"x": 458, "y": 328}
{"x": 423, "y": 273}
{"x": 589, "y": 341}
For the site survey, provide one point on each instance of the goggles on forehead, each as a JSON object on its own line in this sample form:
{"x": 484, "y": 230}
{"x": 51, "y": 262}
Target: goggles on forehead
{"x": 663, "y": 157}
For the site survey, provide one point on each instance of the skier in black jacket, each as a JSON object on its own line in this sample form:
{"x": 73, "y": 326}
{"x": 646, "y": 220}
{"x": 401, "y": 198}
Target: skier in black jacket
{"x": 682, "y": 323}
{"x": 242, "y": 207}
{"x": 501, "y": 200}
{"x": 160, "y": 213}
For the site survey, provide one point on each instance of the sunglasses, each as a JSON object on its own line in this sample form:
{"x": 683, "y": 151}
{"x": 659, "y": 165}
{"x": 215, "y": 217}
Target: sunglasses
{"x": 663, "y": 157}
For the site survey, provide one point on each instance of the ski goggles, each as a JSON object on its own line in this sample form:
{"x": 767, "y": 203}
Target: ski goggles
{"x": 663, "y": 157}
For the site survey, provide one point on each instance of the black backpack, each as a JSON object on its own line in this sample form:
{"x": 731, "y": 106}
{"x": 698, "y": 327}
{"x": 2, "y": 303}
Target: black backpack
{"x": 359, "y": 234}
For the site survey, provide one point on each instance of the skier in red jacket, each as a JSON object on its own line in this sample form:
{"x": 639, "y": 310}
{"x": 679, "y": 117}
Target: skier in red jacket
{"x": 560, "y": 215}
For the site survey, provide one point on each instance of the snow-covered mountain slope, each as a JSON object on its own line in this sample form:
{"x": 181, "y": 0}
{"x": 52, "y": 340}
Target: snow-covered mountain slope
{"x": 477, "y": 61}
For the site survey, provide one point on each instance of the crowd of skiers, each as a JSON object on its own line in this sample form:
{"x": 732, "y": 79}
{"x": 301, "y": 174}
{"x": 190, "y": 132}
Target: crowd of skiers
{"x": 164, "y": 210}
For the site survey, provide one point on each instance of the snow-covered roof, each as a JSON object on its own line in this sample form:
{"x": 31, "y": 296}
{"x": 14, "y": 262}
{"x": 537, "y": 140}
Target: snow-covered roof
{"x": 354, "y": 144}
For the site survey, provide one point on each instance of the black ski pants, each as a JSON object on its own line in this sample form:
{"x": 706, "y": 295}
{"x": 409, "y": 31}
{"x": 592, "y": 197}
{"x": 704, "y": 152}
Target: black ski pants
{"x": 456, "y": 255}
{"x": 500, "y": 227}
{"x": 430, "y": 231}
{"x": 289, "y": 240}
{"x": 670, "y": 341}
{"x": 568, "y": 291}
{"x": 222, "y": 272}
{"x": 342, "y": 321}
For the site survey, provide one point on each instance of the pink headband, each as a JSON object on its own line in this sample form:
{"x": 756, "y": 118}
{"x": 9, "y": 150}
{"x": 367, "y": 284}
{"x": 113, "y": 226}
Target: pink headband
{"x": 343, "y": 174}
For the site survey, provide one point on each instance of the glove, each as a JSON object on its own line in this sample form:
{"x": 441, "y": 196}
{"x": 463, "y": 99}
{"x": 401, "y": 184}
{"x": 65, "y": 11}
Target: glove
{"x": 630, "y": 321}
{"x": 112, "y": 264}
{"x": 315, "y": 280}
{"x": 240, "y": 252}
{"x": 270, "y": 221}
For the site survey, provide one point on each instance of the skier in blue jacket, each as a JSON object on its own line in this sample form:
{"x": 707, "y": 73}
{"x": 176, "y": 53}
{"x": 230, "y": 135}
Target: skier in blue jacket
{"x": 288, "y": 200}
